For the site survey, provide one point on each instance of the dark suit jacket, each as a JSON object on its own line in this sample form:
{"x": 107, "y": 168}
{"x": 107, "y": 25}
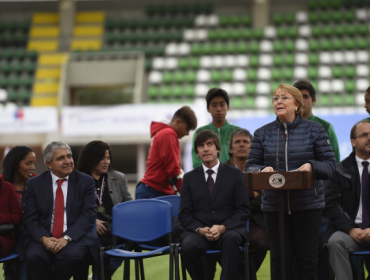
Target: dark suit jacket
{"x": 80, "y": 205}
{"x": 228, "y": 205}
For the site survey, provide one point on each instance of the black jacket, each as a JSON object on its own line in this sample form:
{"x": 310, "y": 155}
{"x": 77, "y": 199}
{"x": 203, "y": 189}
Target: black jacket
{"x": 306, "y": 142}
{"x": 228, "y": 205}
{"x": 342, "y": 197}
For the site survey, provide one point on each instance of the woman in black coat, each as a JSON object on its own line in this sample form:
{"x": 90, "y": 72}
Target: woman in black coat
{"x": 303, "y": 146}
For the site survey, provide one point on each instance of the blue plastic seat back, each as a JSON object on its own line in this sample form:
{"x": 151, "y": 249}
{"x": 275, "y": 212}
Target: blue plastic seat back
{"x": 142, "y": 220}
{"x": 174, "y": 200}
{"x": 10, "y": 257}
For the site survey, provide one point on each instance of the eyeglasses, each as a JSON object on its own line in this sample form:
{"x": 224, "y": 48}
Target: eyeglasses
{"x": 276, "y": 98}
{"x": 363, "y": 135}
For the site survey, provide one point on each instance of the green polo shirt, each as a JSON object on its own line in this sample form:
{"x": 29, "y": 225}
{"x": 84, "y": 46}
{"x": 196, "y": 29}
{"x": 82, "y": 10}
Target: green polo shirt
{"x": 224, "y": 135}
{"x": 331, "y": 133}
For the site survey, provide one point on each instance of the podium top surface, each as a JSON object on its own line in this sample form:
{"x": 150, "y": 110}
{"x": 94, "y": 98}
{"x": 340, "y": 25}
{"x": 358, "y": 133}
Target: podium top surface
{"x": 295, "y": 180}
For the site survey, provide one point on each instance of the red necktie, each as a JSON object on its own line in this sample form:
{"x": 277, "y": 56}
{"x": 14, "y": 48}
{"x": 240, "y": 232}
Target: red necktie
{"x": 59, "y": 211}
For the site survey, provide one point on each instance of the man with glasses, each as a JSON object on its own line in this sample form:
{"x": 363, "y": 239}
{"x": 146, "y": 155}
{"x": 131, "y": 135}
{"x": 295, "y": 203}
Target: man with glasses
{"x": 347, "y": 199}
{"x": 309, "y": 100}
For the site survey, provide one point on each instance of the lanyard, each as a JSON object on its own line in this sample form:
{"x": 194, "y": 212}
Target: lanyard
{"x": 101, "y": 193}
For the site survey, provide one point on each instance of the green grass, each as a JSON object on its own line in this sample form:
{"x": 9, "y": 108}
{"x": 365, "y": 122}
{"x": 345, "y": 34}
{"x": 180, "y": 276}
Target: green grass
{"x": 157, "y": 269}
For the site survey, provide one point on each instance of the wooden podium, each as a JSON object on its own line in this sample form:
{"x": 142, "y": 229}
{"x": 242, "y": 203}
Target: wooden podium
{"x": 295, "y": 180}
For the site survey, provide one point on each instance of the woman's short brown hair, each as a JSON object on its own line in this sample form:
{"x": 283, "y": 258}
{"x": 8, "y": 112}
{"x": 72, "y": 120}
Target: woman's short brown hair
{"x": 205, "y": 135}
{"x": 297, "y": 95}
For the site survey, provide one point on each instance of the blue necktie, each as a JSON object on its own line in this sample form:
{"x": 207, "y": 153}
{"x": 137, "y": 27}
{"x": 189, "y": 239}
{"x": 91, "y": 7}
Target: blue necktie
{"x": 364, "y": 180}
{"x": 210, "y": 181}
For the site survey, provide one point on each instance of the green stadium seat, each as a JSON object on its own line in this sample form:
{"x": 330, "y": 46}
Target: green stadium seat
{"x": 167, "y": 77}
{"x": 313, "y": 5}
{"x": 213, "y": 34}
{"x": 312, "y": 72}
{"x": 218, "y": 48}
{"x": 337, "y": 72}
{"x": 253, "y": 47}
{"x": 250, "y": 102}
{"x": 258, "y": 34}
{"x": 336, "y": 16}
{"x": 325, "y": 44}
{"x": 14, "y": 82}
{"x": 350, "y": 71}
{"x": 289, "y": 59}
{"x": 164, "y": 91}
{"x": 251, "y": 87}
{"x": 363, "y": 29}
{"x": 3, "y": 82}
{"x": 349, "y": 86}
{"x": 236, "y": 103}
{"x": 216, "y": 76}
{"x": 235, "y": 21}
{"x": 350, "y": 100}
{"x": 153, "y": 92}
{"x": 191, "y": 76}
{"x": 351, "y": 29}
{"x": 324, "y": 17}
{"x": 253, "y": 61}
{"x": 278, "y": 60}
{"x": 224, "y": 21}
{"x": 246, "y": 34}
{"x": 12, "y": 96}
{"x": 176, "y": 91}
{"x": 110, "y": 25}
{"x": 323, "y": 100}
{"x": 289, "y": 46}
{"x": 339, "y": 30}
{"x": 277, "y": 19}
{"x": 25, "y": 95}
{"x": 251, "y": 74}
{"x": 235, "y": 34}
{"x": 148, "y": 64}
{"x": 164, "y": 101}
{"x": 313, "y": 58}
{"x": 227, "y": 75}
{"x": 278, "y": 46}
{"x": 243, "y": 47}
{"x": 362, "y": 43}
{"x": 349, "y": 15}
{"x": 189, "y": 91}
{"x": 276, "y": 73}
{"x": 16, "y": 68}
{"x": 328, "y": 30}
{"x": 316, "y": 31}
{"x": 20, "y": 54}
{"x": 337, "y": 44}
{"x": 5, "y": 68}
{"x": 245, "y": 20}
{"x": 314, "y": 17}
{"x": 274, "y": 85}
{"x": 337, "y": 100}
{"x": 178, "y": 77}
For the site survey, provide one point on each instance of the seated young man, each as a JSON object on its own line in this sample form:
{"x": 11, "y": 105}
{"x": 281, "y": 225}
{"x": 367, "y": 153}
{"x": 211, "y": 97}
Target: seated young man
{"x": 214, "y": 209}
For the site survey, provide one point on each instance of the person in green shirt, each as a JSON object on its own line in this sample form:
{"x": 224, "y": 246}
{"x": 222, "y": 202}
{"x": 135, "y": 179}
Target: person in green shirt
{"x": 309, "y": 100}
{"x": 367, "y": 103}
{"x": 217, "y": 105}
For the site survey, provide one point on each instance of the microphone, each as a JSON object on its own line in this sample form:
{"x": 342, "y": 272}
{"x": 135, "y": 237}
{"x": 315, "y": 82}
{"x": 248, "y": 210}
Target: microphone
{"x": 277, "y": 151}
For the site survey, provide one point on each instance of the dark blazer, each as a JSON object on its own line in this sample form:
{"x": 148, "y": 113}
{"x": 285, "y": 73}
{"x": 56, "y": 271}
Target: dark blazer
{"x": 81, "y": 210}
{"x": 342, "y": 197}
{"x": 228, "y": 205}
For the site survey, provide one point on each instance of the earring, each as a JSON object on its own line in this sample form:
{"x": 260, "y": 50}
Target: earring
{"x": 296, "y": 109}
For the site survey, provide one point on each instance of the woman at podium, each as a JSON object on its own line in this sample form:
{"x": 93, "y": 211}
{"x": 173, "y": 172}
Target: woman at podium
{"x": 291, "y": 143}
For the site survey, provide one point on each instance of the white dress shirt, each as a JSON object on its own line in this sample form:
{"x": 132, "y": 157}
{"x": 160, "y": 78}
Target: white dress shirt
{"x": 64, "y": 187}
{"x": 215, "y": 170}
{"x": 359, "y": 161}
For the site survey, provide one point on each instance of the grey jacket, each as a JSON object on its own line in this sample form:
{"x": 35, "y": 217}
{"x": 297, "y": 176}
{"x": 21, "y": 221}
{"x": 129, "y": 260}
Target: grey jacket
{"x": 118, "y": 189}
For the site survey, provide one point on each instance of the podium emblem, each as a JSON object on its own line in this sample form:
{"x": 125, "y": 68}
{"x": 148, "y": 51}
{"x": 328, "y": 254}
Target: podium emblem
{"x": 277, "y": 180}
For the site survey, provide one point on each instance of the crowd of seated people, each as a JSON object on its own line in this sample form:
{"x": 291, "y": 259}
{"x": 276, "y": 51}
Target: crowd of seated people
{"x": 57, "y": 220}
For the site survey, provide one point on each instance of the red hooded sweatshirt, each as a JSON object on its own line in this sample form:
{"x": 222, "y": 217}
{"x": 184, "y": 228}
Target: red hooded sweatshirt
{"x": 164, "y": 159}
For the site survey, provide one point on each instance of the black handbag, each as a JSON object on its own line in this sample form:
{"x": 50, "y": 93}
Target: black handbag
{"x": 6, "y": 229}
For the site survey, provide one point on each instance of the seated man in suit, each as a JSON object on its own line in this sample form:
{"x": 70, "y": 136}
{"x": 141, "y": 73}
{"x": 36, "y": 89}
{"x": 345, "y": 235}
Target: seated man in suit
{"x": 214, "y": 209}
{"x": 59, "y": 216}
{"x": 347, "y": 202}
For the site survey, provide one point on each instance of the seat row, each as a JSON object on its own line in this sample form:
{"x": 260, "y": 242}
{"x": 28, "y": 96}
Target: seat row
{"x": 144, "y": 37}
{"x": 335, "y": 4}
{"x": 20, "y": 54}
{"x": 17, "y": 68}
{"x": 12, "y": 26}
{"x": 175, "y": 9}
{"x": 15, "y": 82}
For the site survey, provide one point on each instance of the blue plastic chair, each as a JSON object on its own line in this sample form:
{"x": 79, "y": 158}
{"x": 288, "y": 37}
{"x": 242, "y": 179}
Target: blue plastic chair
{"x": 174, "y": 200}
{"x": 140, "y": 221}
{"x": 13, "y": 257}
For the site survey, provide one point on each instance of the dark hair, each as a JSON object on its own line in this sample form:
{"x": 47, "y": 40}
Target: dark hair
{"x": 215, "y": 92}
{"x": 304, "y": 84}
{"x": 205, "y": 135}
{"x": 187, "y": 115}
{"x": 353, "y": 129}
{"x": 368, "y": 90}
{"x": 12, "y": 159}
{"x": 238, "y": 132}
{"x": 91, "y": 155}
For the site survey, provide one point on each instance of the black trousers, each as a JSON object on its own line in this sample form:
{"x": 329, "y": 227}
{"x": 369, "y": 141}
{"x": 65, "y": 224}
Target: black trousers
{"x": 194, "y": 245}
{"x": 41, "y": 261}
{"x": 301, "y": 230}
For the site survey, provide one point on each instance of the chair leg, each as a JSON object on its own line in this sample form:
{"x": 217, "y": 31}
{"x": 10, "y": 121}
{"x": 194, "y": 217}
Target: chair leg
{"x": 126, "y": 274}
{"x": 172, "y": 249}
{"x": 183, "y": 269}
{"x": 102, "y": 271}
{"x": 359, "y": 267}
{"x": 137, "y": 275}
{"x": 176, "y": 257}
{"x": 141, "y": 266}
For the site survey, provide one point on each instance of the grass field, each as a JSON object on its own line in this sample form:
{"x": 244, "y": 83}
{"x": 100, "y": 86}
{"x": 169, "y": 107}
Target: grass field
{"x": 157, "y": 269}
